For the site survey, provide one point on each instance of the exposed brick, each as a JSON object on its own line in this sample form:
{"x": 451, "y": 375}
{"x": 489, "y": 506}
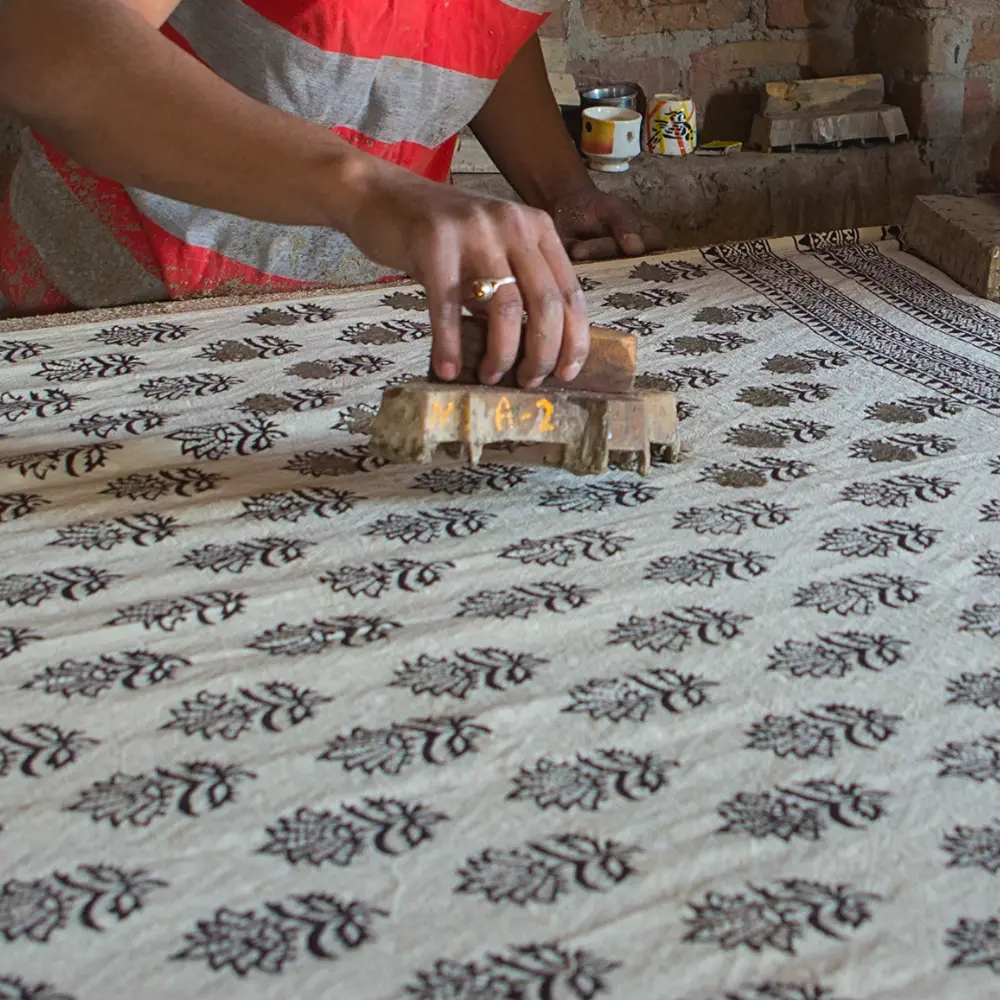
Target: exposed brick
{"x": 793, "y": 14}
{"x": 894, "y": 40}
{"x": 933, "y": 108}
{"x": 978, "y": 103}
{"x": 725, "y": 79}
{"x": 985, "y": 41}
{"x": 618, "y": 18}
{"x": 557, "y": 24}
{"x": 655, "y": 74}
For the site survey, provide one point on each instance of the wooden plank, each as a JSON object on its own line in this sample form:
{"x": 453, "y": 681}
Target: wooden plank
{"x": 826, "y": 129}
{"x": 864, "y": 91}
{"x": 610, "y": 366}
{"x": 961, "y": 237}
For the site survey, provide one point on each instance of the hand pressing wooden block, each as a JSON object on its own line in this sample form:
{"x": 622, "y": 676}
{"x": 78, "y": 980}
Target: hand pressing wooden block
{"x": 961, "y": 237}
{"x": 610, "y": 365}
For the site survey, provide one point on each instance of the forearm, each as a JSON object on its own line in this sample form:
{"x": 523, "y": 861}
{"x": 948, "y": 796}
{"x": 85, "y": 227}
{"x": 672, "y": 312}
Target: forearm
{"x": 112, "y": 93}
{"x": 522, "y": 129}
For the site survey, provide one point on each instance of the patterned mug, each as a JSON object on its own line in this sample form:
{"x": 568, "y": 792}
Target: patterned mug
{"x": 671, "y": 125}
{"x": 610, "y": 137}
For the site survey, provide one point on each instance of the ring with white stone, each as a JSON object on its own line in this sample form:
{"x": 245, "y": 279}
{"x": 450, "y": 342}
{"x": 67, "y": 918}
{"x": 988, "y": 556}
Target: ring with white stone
{"x": 484, "y": 289}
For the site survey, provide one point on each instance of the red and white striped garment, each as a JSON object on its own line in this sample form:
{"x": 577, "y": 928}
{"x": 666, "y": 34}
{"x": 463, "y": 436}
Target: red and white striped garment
{"x": 398, "y": 78}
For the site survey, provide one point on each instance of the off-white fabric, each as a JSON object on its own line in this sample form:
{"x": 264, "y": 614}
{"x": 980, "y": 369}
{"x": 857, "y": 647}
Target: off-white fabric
{"x": 280, "y": 723}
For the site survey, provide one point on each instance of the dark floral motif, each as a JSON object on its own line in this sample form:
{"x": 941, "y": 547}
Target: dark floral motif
{"x": 354, "y": 365}
{"x": 560, "y": 550}
{"x": 133, "y": 670}
{"x": 978, "y": 760}
{"x": 777, "y": 433}
{"x": 293, "y": 505}
{"x": 96, "y": 897}
{"x": 980, "y": 690}
{"x": 668, "y": 271}
{"x": 689, "y": 376}
{"x": 534, "y": 970}
{"x": 355, "y": 419}
{"x": 685, "y": 410}
{"x": 13, "y": 351}
{"x": 899, "y": 491}
{"x": 248, "y": 349}
{"x": 632, "y": 697}
{"x": 193, "y": 788}
{"x": 917, "y": 410}
{"x": 425, "y": 526}
{"x": 390, "y": 331}
{"x": 298, "y": 400}
{"x": 415, "y": 301}
{"x": 976, "y": 944}
{"x": 436, "y": 741}
{"x": 184, "y": 482}
{"x": 702, "y": 344}
{"x": 837, "y": 654}
{"x": 778, "y": 915}
{"x": 988, "y": 563}
{"x": 273, "y": 706}
{"x": 983, "y": 618}
{"x": 72, "y": 583}
{"x": 466, "y": 480}
{"x": 465, "y": 672}
{"x": 526, "y": 600}
{"x": 733, "y": 518}
{"x": 773, "y": 990}
{"x": 990, "y": 512}
{"x": 859, "y": 595}
{"x": 805, "y": 362}
{"x": 14, "y": 640}
{"x": 636, "y": 325}
{"x": 13, "y": 988}
{"x": 389, "y": 826}
{"x": 595, "y": 497}
{"x": 39, "y": 403}
{"x": 802, "y": 810}
{"x": 674, "y": 631}
{"x": 335, "y": 462}
{"x": 14, "y": 506}
{"x": 647, "y": 298}
{"x": 82, "y": 369}
{"x": 707, "y": 567}
{"x": 142, "y": 333}
{"x": 73, "y": 462}
{"x": 765, "y": 396}
{"x": 139, "y": 529}
{"x": 236, "y": 557}
{"x": 374, "y": 579}
{"x": 727, "y": 315}
{"x": 289, "y": 315}
{"x": 209, "y": 608}
{"x": 318, "y": 924}
{"x": 755, "y": 472}
{"x": 544, "y": 870}
{"x": 882, "y": 539}
{"x": 170, "y": 388}
{"x": 316, "y": 636}
{"x": 974, "y": 847}
{"x": 36, "y": 748}
{"x": 901, "y": 447}
{"x": 819, "y": 731}
{"x": 134, "y": 422}
{"x": 214, "y": 441}
{"x": 591, "y": 779}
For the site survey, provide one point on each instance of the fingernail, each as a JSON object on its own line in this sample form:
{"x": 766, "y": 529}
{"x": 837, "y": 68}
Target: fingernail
{"x": 533, "y": 383}
{"x": 571, "y": 371}
{"x": 447, "y": 371}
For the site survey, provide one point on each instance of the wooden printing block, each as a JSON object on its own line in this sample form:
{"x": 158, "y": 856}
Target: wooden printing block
{"x": 589, "y": 430}
{"x": 961, "y": 237}
{"x": 610, "y": 365}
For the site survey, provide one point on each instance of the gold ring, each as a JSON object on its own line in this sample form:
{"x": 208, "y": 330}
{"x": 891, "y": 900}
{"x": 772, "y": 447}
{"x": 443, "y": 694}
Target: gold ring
{"x": 484, "y": 289}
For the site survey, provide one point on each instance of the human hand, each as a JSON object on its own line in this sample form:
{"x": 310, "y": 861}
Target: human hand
{"x": 594, "y": 225}
{"x": 446, "y": 239}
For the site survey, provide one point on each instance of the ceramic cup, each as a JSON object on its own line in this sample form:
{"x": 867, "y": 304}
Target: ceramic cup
{"x": 610, "y": 137}
{"x": 671, "y": 127}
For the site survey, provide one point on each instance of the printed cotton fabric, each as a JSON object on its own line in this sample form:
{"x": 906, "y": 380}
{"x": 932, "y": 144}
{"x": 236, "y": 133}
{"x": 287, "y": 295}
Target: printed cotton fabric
{"x": 279, "y": 721}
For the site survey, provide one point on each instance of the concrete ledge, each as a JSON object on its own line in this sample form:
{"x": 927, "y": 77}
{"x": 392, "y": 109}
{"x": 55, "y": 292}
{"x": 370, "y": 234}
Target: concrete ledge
{"x": 699, "y": 200}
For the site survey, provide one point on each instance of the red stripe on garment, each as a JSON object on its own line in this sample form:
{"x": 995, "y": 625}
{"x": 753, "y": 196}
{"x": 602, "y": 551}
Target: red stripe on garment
{"x": 439, "y": 32}
{"x": 24, "y": 282}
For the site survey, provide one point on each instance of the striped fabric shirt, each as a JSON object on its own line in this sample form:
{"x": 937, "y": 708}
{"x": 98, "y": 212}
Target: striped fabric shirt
{"x": 397, "y": 78}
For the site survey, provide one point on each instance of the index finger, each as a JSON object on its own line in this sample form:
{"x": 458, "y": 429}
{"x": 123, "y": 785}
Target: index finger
{"x": 442, "y": 282}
